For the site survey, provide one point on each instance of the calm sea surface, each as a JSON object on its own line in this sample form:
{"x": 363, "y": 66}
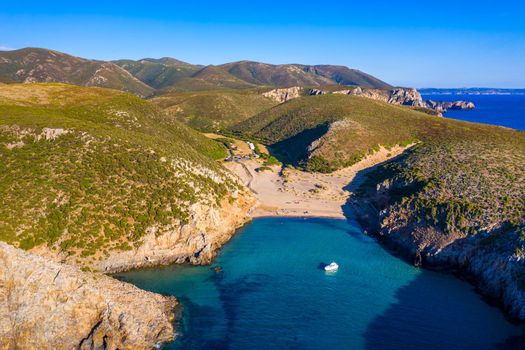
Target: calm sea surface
{"x": 504, "y": 110}
{"x": 273, "y": 294}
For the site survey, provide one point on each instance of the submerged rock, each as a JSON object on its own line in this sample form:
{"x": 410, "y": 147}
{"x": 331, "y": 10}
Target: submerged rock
{"x": 44, "y": 304}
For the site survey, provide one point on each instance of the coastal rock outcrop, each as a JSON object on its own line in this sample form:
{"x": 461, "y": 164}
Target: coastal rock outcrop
{"x": 47, "y": 305}
{"x": 284, "y": 94}
{"x": 489, "y": 258}
{"x": 396, "y": 96}
{"x": 196, "y": 242}
{"x": 442, "y": 106}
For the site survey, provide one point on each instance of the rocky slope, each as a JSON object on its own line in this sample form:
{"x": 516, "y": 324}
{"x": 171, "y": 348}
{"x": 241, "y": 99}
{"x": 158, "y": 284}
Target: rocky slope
{"x": 104, "y": 180}
{"x": 284, "y": 94}
{"x": 456, "y": 203}
{"x": 46, "y": 305}
{"x": 33, "y": 65}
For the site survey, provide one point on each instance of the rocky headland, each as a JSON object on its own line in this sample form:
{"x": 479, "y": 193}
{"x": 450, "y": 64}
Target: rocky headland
{"x": 397, "y": 96}
{"x": 48, "y": 305}
{"x": 430, "y": 227}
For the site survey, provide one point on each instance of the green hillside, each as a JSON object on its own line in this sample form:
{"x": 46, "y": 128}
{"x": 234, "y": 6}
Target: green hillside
{"x": 42, "y": 65}
{"x": 263, "y": 74}
{"x": 460, "y": 178}
{"x": 159, "y": 73}
{"x": 351, "y": 127}
{"x": 88, "y": 170}
{"x": 213, "y": 110}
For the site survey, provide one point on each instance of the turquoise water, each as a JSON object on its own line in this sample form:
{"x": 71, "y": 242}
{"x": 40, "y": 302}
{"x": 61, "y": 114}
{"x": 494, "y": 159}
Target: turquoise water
{"x": 273, "y": 294}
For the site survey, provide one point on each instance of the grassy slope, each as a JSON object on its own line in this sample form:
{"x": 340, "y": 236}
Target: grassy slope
{"x": 368, "y": 123}
{"x": 461, "y": 178}
{"x": 213, "y": 110}
{"x": 122, "y": 167}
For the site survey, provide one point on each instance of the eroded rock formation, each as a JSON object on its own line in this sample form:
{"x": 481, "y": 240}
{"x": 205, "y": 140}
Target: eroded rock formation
{"x": 285, "y": 94}
{"x": 47, "y": 305}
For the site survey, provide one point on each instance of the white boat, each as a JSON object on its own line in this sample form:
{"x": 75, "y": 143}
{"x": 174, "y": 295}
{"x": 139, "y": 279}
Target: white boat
{"x": 332, "y": 267}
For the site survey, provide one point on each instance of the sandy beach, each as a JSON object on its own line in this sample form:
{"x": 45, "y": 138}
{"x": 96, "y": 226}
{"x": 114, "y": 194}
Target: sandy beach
{"x": 291, "y": 192}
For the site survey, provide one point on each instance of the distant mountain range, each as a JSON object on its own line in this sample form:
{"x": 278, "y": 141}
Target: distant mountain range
{"x": 471, "y": 91}
{"x": 41, "y": 65}
{"x": 144, "y": 77}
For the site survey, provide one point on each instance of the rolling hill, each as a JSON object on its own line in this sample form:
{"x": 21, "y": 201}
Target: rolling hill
{"x": 264, "y": 74}
{"x": 213, "y": 110}
{"x": 146, "y": 76}
{"x": 104, "y": 179}
{"x": 33, "y": 65}
{"x": 159, "y": 73}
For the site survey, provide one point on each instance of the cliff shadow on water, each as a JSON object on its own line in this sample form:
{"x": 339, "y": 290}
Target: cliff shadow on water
{"x": 457, "y": 316}
{"x": 454, "y": 319}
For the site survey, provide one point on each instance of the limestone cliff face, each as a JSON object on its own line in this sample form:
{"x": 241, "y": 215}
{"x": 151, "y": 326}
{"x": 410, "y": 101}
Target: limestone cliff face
{"x": 196, "y": 242}
{"x": 456, "y": 105}
{"x": 47, "y": 305}
{"x": 397, "y": 96}
{"x": 285, "y": 94}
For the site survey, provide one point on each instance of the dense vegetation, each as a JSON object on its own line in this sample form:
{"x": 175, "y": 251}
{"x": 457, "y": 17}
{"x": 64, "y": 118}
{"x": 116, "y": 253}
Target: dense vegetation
{"x": 463, "y": 181}
{"x": 88, "y": 170}
{"x": 213, "y": 110}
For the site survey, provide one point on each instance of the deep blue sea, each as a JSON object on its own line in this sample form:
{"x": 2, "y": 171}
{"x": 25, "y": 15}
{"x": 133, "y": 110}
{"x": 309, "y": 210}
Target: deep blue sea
{"x": 504, "y": 110}
{"x": 273, "y": 294}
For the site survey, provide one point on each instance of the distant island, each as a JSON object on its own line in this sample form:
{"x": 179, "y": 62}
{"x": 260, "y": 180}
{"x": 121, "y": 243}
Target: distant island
{"x": 471, "y": 91}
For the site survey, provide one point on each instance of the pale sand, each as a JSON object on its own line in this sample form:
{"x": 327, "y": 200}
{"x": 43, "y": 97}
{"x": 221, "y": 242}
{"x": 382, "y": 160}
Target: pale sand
{"x": 299, "y": 193}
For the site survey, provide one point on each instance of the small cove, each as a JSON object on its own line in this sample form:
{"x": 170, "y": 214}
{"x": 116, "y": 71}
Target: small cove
{"x": 272, "y": 293}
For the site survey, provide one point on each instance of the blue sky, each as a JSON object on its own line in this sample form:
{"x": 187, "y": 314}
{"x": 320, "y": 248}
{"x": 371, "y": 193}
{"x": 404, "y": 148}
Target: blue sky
{"x": 409, "y": 43}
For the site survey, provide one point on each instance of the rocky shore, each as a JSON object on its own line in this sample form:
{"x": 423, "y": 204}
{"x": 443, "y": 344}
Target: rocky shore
{"x": 48, "y": 305}
{"x": 46, "y": 299}
{"x": 484, "y": 259}
{"x": 196, "y": 242}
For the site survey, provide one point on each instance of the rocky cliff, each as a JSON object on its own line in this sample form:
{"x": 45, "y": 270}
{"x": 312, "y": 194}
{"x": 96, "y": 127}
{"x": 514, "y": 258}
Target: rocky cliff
{"x": 442, "y": 106}
{"x": 407, "y": 97}
{"x": 492, "y": 264}
{"x": 285, "y": 94}
{"x": 456, "y": 204}
{"x": 46, "y": 305}
{"x": 396, "y": 96}
{"x": 196, "y": 242}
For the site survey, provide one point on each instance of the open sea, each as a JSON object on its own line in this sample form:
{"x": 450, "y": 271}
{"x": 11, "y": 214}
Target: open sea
{"x": 503, "y": 110}
{"x": 273, "y": 294}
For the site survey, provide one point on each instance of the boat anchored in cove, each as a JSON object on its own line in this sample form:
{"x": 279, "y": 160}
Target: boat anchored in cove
{"x": 332, "y": 267}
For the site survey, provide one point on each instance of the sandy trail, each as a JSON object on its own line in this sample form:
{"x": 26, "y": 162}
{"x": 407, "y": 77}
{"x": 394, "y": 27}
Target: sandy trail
{"x": 299, "y": 193}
